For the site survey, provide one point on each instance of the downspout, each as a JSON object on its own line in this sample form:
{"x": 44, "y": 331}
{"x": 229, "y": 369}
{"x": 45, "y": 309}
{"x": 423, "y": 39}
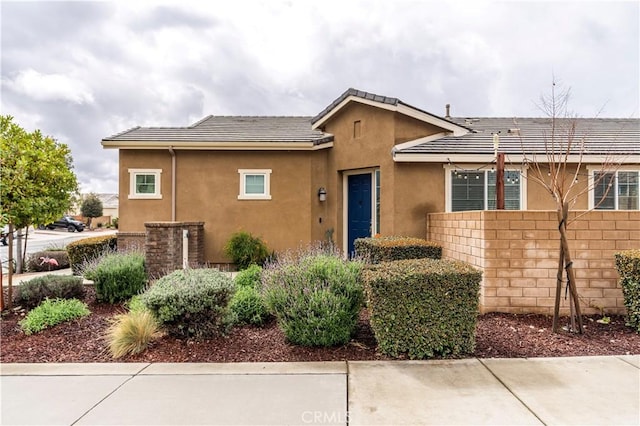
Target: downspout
{"x": 173, "y": 184}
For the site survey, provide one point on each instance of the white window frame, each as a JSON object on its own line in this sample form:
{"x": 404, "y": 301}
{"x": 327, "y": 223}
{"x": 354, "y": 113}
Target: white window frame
{"x": 266, "y": 195}
{"x": 596, "y": 169}
{"x": 480, "y": 167}
{"x": 156, "y": 195}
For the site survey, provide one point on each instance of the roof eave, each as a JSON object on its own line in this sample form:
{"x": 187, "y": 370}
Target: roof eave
{"x": 222, "y": 146}
{"x": 400, "y": 157}
{"x": 399, "y": 107}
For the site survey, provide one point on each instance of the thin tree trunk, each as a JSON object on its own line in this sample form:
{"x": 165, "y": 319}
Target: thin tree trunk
{"x": 556, "y": 308}
{"x": 563, "y": 216}
{"x": 1, "y": 289}
{"x": 24, "y": 249}
{"x": 10, "y": 267}
{"x": 19, "y": 252}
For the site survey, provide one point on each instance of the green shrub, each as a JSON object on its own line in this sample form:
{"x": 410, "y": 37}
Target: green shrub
{"x": 248, "y": 306}
{"x": 316, "y": 297}
{"x": 135, "y": 304}
{"x": 192, "y": 303}
{"x": 386, "y": 249}
{"x": 33, "y": 292}
{"x": 88, "y": 249}
{"x": 245, "y": 250}
{"x": 52, "y": 312}
{"x": 249, "y": 277}
{"x": 41, "y": 261}
{"x": 628, "y": 266}
{"x": 424, "y": 307}
{"x": 117, "y": 276}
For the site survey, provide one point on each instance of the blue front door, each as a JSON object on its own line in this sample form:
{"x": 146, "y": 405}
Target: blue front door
{"x": 359, "y": 208}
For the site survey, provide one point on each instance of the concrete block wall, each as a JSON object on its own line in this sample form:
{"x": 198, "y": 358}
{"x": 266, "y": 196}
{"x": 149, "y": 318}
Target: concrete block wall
{"x": 518, "y": 254}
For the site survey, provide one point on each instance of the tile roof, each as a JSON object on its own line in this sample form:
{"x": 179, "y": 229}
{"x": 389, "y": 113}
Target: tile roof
{"x": 602, "y": 136}
{"x": 230, "y": 129}
{"x": 380, "y": 99}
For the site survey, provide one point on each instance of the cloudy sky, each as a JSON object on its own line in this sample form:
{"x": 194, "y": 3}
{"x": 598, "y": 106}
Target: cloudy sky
{"x": 80, "y": 71}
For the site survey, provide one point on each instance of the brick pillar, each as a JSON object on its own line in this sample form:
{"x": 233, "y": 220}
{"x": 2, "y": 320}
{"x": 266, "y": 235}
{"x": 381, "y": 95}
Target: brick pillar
{"x": 163, "y": 246}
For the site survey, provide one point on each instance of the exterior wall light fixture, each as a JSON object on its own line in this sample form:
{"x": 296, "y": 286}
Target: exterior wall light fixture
{"x": 322, "y": 194}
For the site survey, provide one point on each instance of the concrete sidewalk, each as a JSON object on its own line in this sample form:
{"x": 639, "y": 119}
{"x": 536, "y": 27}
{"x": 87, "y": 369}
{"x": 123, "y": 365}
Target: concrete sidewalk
{"x": 580, "y": 390}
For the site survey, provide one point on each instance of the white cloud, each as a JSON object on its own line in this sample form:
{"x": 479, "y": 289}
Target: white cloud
{"x": 50, "y": 87}
{"x": 113, "y": 65}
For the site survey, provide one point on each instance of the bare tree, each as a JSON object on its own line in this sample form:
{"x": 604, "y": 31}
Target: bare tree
{"x": 564, "y": 146}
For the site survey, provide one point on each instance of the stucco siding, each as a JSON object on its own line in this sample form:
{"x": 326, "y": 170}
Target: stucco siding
{"x": 207, "y": 189}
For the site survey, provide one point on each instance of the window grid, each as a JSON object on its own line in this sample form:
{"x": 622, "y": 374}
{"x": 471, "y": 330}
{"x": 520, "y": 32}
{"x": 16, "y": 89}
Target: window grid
{"x": 616, "y": 190}
{"x": 476, "y": 190}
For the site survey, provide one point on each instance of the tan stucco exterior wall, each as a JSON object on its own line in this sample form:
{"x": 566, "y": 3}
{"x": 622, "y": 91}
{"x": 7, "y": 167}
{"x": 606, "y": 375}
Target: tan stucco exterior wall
{"x": 539, "y": 198}
{"x": 207, "y": 189}
{"x": 402, "y": 205}
{"x": 518, "y": 253}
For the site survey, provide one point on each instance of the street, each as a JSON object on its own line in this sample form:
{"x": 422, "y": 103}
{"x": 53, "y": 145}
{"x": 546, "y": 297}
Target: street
{"x": 40, "y": 240}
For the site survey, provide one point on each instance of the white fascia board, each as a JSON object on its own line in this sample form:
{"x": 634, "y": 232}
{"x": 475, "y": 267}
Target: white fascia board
{"x": 218, "y": 146}
{"x": 399, "y": 157}
{"x": 344, "y": 102}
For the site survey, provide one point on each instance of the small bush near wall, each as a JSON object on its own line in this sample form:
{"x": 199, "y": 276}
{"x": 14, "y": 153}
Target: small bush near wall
{"x": 245, "y": 249}
{"x": 384, "y": 249}
{"x": 192, "y": 303}
{"x": 33, "y": 292}
{"x": 423, "y": 308}
{"x": 315, "y": 295}
{"x": 117, "y": 276}
{"x": 85, "y": 250}
{"x": 628, "y": 266}
{"x": 48, "y": 260}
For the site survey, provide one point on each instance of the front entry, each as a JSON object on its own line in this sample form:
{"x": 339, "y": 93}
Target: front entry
{"x": 359, "y": 209}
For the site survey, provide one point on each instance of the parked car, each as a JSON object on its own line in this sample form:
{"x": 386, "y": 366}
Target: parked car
{"x": 67, "y": 222}
{"x": 4, "y": 234}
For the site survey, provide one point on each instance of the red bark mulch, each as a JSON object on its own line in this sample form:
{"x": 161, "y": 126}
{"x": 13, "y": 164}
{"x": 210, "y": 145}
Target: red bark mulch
{"x": 497, "y": 336}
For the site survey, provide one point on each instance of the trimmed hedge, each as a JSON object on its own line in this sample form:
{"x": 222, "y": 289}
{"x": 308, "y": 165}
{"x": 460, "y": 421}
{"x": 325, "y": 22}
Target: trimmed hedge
{"x": 33, "y": 292}
{"x": 386, "y": 249}
{"x": 423, "y": 307}
{"x": 192, "y": 303}
{"x": 36, "y": 261}
{"x": 88, "y": 249}
{"x": 628, "y": 266}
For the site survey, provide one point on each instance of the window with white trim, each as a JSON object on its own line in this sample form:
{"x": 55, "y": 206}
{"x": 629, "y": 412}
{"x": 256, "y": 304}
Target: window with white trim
{"x": 144, "y": 183}
{"x": 615, "y": 190}
{"x": 255, "y": 184}
{"x": 476, "y": 190}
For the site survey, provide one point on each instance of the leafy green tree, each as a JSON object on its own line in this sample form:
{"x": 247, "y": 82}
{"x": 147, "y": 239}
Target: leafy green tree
{"x": 37, "y": 181}
{"x": 91, "y": 207}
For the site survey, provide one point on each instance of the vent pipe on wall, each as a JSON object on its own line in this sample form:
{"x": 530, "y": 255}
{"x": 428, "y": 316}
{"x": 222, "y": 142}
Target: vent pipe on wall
{"x": 447, "y": 109}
